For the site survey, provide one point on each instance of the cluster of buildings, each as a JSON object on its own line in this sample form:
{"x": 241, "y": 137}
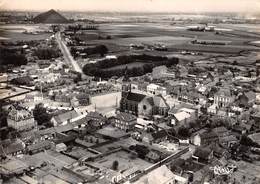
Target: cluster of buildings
{"x": 174, "y": 125}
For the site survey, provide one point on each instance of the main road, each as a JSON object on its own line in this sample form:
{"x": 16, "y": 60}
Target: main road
{"x": 66, "y": 53}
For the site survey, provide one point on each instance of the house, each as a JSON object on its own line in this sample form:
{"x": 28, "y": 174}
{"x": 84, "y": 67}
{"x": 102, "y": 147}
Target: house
{"x": 60, "y": 147}
{"x": 153, "y": 156}
{"x": 38, "y": 147}
{"x": 155, "y": 137}
{"x": 20, "y": 118}
{"x": 161, "y": 175}
{"x": 124, "y": 121}
{"x": 96, "y": 119}
{"x": 202, "y": 154}
{"x": 247, "y": 98}
{"x": 213, "y": 109}
{"x": 256, "y": 117}
{"x": 205, "y": 138}
{"x": 64, "y": 118}
{"x": 12, "y": 149}
{"x": 154, "y": 89}
{"x": 221, "y": 131}
{"x": 180, "y": 118}
{"x": 228, "y": 141}
{"x": 255, "y": 138}
{"x": 223, "y": 97}
{"x": 162, "y": 72}
{"x": 239, "y": 129}
{"x": 3, "y": 80}
{"x": 182, "y": 71}
{"x": 80, "y": 100}
{"x": 220, "y": 152}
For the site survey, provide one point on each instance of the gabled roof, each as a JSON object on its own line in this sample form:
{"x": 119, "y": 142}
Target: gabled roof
{"x": 229, "y": 138}
{"x": 220, "y": 130}
{"x": 224, "y": 92}
{"x": 159, "y": 134}
{"x": 39, "y": 145}
{"x": 250, "y": 95}
{"x": 60, "y": 118}
{"x": 255, "y": 137}
{"x": 180, "y": 116}
{"x": 159, "y": 175}
{"x": 159, "y": 101}
{"x": 202, "y": 152}
{"x": 14, "y": 147}
{"x": 136, "y": 97}
{"x": 126, "y": 117}
{"x": 209, "y": 135}
{"x": 95, "y": 115}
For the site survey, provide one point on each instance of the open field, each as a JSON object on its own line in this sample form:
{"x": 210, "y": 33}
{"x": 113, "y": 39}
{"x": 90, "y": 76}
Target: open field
{"x": 129, "y": 66}
{"x": 125, "y": 162}
{"x": 15, "y": 32}
{"x": 175, "y": 37}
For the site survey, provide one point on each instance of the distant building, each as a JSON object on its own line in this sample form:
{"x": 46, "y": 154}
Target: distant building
{"x": 205, "y": 138}
{"x": 161, "y": 175}
{"x": 142, "y": 105}
{"x": 3, "y": 80}
{"x": 154, "y": 89}
{"x": 162, "y": 72}
{"x": 223, "y": 97}
{"x": 13, "y": 148}
{"x": 247, "y": 98}
{"x": 64, "y": 117}
{"x": 124, "y": 121}
{"x": 20, "y": 119}
{"x": 204, "y": 155}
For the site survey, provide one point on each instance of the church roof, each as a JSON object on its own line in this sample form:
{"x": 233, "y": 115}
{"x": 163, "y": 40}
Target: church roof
{"x": 136, "y": 97}
{"x": 159, "y": 101}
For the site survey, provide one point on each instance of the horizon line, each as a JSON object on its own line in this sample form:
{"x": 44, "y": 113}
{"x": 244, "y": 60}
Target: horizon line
{"x": 123, "y": 11}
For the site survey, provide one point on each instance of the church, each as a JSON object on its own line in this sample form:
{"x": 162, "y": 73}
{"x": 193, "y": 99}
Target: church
{"x": 142, "y": 105}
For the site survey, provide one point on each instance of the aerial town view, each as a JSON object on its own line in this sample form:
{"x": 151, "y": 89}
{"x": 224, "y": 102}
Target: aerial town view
{"x": 129, "y": 92}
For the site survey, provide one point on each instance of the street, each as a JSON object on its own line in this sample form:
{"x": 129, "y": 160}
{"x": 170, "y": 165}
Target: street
{"x": 66, "y": 53}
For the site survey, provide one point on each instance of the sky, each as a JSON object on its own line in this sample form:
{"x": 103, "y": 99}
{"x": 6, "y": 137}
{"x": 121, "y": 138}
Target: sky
{"x": 135, "y": 5}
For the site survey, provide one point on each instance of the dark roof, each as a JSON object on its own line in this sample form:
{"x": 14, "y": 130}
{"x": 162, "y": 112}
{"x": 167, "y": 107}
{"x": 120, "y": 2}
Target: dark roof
{"x": 65, "y": 116}
{"x": 202, "y": 152}
{"x": 82, "y": 96}
{"x": 250, "y": 95}
{"x": 14, "y": 147}
{"x": 95, "y": 115}
{"x": 136, "y": 97}
{"x": 220, "y": 130}
{"x": 150, "y": 100}
{"x": 159, "y": 134}
{"x": 39, "y": 145}
{"x": 125, "y": 116}
{"x": 224, "y": 92}
{"x": 208, "y": 135}
{"x": 50, "y": 17}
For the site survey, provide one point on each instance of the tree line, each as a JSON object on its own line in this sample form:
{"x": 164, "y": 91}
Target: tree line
{"x": 100, "y": 69}
{"x": 12, "y": 57}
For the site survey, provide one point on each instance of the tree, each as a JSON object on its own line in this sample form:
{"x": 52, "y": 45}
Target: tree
{"x": 115, "y": 165}
{"x": 41, "y": 116}
{"x": 183, "y": 132}
{"x": 247, "y": 141}
{"x": 102, "y": 49}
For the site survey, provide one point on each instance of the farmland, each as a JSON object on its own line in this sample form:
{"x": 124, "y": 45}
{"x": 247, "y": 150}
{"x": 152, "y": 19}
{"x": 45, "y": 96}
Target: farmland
{"x": 175, "y": 37}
